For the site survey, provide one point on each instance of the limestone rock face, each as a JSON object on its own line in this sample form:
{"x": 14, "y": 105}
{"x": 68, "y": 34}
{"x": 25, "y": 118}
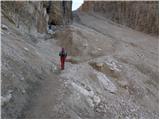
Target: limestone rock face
{"x": 139, "y": 15}
{"x": 27, "y": 16}
{"x": 33, "y": 16}
{"x": 60, "y": 13}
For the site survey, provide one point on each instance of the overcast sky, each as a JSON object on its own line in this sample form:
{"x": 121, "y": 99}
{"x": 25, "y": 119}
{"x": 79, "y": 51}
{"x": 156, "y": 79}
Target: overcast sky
{"x": 76, "y": 4}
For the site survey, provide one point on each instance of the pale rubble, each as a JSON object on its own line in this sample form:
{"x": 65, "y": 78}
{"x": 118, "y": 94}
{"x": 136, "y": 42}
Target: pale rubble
{"x": 26, "y": 48}
{"x": 99, "y": 49}
{"x": 4, "y": 27}
{"x": 85, "y": 44}
{"x": 90, "y": 102}
{"x": 96, "y": 99}
{"x": 113, "y": 64}
{"x": 5, "y": 99}
{"x": 106, "y": 82}
{"x": 100, "y": 65}
{"x": 80, "y": 89}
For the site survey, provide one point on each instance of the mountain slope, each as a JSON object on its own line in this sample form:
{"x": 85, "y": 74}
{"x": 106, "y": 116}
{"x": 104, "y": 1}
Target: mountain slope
{"x": 139, "y": 15}
{"x": 112, "y": 72}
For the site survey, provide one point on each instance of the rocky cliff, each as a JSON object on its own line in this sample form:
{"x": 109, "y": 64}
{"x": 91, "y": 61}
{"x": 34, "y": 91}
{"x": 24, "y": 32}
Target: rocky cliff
{"x": 59, "y": 12}
{"x": 139, "y": 15}
{"x": 34, "y": 16}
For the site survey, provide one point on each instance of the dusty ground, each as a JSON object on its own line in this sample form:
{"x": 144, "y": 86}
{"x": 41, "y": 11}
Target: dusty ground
{"x": 113, "y": 72}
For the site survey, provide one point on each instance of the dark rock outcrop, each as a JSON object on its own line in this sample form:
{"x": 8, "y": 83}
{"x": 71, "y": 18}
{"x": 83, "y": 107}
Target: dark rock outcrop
{"x": 139, "y": 15}
{"x": 60, "y": 13}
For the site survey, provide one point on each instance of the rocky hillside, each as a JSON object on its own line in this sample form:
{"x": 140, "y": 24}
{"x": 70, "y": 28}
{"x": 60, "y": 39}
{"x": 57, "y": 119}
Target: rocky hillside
{"x": 26, "y": 21}
{"x": 139, "y": 15}
{"x": 34, "y": 16}
{"x": 111, "y": 71}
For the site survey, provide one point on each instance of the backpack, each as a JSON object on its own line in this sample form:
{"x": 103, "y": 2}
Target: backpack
{"x": 63, "y": 54}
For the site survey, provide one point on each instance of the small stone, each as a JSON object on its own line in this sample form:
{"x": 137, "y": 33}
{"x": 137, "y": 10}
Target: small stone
{"x": 83, "y": 84}
{"x": 4, "y": 27}
{"x": 85, "y": 45}
{"x": 87, "y": 88}
{"x": 55, "y": 68}
{"x": 26, "y": 48}
{"x": 13, "y": 75}
{"x": 96, "y": 99}
{"x": 90, "y": 102}
{"x": 51, "y": 31}
{"x": 23, "y": 91}
{"x": 94, "y": 53}
{"x": 5, "y": 99}
{"x": 99, "y": 65}
{"x": 123, "y": 84}
{"x": 99, "y": 49}
{"x": 22, "y": 78}
{"x": 91, "y": 93}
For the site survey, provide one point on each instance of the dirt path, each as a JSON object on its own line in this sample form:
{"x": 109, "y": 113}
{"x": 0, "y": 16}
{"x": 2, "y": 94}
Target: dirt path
{"x": 48, "y": 101}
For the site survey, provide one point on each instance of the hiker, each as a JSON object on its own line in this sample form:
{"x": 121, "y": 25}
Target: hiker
{"x": 63, "y": 55}
{"x": 50, "y": 27}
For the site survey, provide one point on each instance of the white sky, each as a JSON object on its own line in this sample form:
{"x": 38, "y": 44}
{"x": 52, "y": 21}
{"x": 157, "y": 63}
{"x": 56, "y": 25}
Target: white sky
{"x": 76, "y": 4}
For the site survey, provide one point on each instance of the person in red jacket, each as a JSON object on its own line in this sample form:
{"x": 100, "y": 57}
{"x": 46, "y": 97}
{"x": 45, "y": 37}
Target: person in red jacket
{"x": 63, "y": 55}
